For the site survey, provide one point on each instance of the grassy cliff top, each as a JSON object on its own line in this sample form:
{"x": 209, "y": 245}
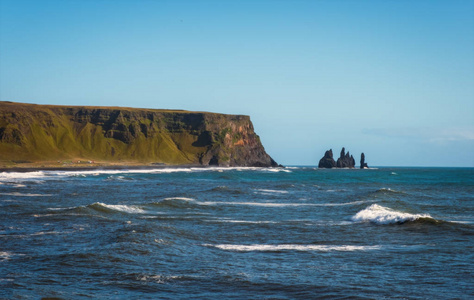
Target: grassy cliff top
{"x": 10, "y": 105}
{"x": 58, "y": 134}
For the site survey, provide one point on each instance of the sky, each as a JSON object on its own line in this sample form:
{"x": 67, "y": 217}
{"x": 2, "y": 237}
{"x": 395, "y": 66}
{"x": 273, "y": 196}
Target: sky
{"x": 393, "y": 79}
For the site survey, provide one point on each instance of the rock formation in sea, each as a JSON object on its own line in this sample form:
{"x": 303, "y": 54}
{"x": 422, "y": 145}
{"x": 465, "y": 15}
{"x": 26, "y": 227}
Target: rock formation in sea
{"x": 327, "y": 161}
{"x": 31, "y": 132}
{"x": 363, "y": 164}
{"x": 345, "y": 160}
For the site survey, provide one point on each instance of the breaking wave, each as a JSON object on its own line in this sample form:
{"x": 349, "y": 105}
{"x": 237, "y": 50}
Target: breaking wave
{"x": 5, "y": 255}
{"x": 269, "y": 192}
{"x": 22, "y": 176}
{"x": 383, "y": 215}
{"x": 388, "y": 190}
{"x": 99, "y": 206}
{"x": 227, "y": 220}
{"x": 292, "y": 247}
{"x": 276, "y": 170}
{"x": 275, "y": 204}
{"x": 25, "y": 194}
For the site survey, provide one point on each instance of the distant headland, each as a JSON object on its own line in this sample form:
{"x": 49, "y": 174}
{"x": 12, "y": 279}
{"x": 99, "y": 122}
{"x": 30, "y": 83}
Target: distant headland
{"x": 345, "y": 160}
{"x": 71, "y": 136}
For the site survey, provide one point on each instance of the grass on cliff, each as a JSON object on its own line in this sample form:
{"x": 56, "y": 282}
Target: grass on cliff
{"x": 48, "y": 133}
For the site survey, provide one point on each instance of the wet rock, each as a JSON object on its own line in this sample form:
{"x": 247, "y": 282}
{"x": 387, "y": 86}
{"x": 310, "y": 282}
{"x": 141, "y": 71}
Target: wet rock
{"x": 363, "y": 164}
{"x": 327, "y": 161}
{"x": 345, "y": 160}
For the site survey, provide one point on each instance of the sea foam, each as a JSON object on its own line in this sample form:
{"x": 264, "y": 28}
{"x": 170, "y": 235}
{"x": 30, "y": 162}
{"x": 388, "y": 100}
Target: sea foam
{"x": 383, "y": 215}
{"x": 25, "y": 194}
{"x": 180, "y": 198}
{"x": 22, "y": 176}
{"x": 292, "y": 247}
{"x": 9, "y": 176}
{"x": 122, "y": 208}
{"x": 286, "y": 204}
{"x": 268, "y": 191}
{"x": 226, "y": 220}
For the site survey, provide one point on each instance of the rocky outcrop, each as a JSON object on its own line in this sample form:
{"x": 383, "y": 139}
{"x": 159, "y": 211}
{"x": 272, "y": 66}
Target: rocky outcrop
{"x": 117, "y": 134}
{"x": 345, "y": 160}
{"x": 327, "y": 161}
{"x": 363, "y": 164}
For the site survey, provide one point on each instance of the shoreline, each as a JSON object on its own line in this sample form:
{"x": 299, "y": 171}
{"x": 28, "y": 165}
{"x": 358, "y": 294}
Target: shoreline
{"x": 26, "y": 169}
{"x": 125, "y": 166}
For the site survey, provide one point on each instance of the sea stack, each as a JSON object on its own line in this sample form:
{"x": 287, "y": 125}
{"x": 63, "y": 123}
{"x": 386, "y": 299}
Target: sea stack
{"x": 345, "y": 160}
{"x": 327, "y": 161}
{"x": 363, "y": 164}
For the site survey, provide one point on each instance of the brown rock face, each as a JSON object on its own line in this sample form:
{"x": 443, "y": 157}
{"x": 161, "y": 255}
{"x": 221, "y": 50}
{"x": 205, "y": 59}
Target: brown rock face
{"x": 46, "y": 132}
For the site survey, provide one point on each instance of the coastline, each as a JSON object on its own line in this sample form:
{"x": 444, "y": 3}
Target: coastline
{"x": 99, "y": 166}
{"x": 67, "y": 136}
{"x": 85, "y": 166}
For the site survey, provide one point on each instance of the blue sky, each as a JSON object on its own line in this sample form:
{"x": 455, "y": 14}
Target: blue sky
{"x": 393, "y": 79}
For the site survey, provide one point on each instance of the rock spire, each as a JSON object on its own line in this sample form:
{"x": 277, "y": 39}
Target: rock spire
{"x": 327, "y": 161}
{"x": 363, "y": 164}
{"x": 345, "y": 160}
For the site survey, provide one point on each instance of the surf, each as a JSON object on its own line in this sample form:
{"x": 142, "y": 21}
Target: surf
{"x": 292, "y": 247}
{"x": 382, "y": 215}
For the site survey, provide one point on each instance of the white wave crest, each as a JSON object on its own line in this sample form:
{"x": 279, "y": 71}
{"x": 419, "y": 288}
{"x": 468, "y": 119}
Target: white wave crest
{"x": 48, "y": 232}
{"x": 383, "y": 215}
{"x": 180, "y": 198}
{"x": 267, "y": 191}
{"x": 225, "y": 220}
{"x": 389, "y": 190}
{"x": 286, "y": 204}
{"x": 123, "y": 208}
{"x": 5, "y": 255}
{"x": 97, "y": 172}
{"x": 25, "y": 194}
{"x": 22, "y": 176}
{"x": 259, "y": 204}
{"x": 9, "y": 176}
{"x": 276, "y": 170}
{"x": 61, "y": 208}
{"x": 292, "y": 247}
{"x": 345, "y": 203}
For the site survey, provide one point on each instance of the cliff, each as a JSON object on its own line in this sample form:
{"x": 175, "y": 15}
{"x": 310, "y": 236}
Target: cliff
{"x": 36, "y": 133}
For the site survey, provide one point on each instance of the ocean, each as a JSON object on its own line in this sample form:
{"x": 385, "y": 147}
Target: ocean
{"x": 238, "y": 233}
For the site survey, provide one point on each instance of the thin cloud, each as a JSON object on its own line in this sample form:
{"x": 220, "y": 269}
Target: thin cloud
{"x": 432, "y": 135}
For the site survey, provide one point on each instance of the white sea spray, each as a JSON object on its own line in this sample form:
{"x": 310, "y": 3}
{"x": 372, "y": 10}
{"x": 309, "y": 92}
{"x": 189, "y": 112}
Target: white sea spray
{"x": 292, "y": 247}
{"x": 16, "y": 194}
{"x": 383, "y": 215}
{"x": 123, "y": 208}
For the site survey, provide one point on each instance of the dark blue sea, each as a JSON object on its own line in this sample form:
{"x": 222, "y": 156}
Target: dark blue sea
{"x": 238, "y": 233}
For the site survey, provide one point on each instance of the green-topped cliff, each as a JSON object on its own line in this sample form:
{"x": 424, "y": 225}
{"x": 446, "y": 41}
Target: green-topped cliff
{"x": 42, "y": 133}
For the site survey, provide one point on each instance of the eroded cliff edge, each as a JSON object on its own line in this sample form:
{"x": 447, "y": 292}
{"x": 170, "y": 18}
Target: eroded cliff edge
{"x": 30, "y": 132}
